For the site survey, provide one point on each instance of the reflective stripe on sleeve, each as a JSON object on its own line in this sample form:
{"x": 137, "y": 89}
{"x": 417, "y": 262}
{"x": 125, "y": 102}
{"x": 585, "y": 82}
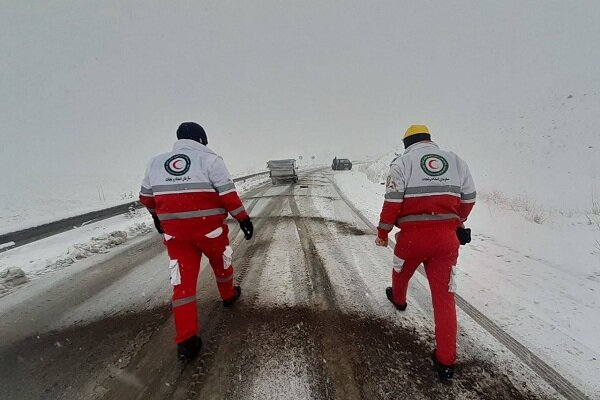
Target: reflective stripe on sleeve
{"x": 145, "y": 191}
{"x": 427, "y": 217}
{"x": 192, "y": 214}
{"x": 419, "y": 191}
{"x": 238, "y": 211}
{"x": 394, "y": 195}
{"x": 225, "y": 188}
{"x": 387, "y": 227}
{"x": 183, "y": 188}
{"x": 468, "y": 197}
{"x": 184, "y": 301}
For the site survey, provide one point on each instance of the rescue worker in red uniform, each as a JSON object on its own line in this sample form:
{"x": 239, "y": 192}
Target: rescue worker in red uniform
{"x": 429, "y": 195}
{"x": 189, "y": 193}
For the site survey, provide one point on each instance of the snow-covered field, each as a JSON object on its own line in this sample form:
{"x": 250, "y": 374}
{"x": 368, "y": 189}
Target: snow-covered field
{"x": 37, "y": 259}
{"x": 534, "y": 271}
{"x": 46, "y": 201}
{"x": 545, "y": 156}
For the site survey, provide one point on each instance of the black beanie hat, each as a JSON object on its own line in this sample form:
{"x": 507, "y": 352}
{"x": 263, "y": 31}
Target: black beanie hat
{"x": 192, "y": 131}
{"x": 419, "y": 137}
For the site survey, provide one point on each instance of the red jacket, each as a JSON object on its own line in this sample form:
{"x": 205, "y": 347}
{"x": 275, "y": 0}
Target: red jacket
{"x": 190, "y": 190}
{"x": 427, "y": 185}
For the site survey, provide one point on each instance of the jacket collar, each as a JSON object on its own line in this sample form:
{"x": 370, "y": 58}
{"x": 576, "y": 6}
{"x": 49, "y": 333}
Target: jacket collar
{"x": 188, "y": 144}
{"x": 420, "y": 145}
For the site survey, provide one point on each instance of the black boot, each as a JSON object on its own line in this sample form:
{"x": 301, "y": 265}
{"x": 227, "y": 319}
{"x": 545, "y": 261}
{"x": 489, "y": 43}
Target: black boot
{"x": 388, "y": 293}
{"x": 445, "y": 373}
{"x": 189, "y": 348}
{"x": 238, "y": 293}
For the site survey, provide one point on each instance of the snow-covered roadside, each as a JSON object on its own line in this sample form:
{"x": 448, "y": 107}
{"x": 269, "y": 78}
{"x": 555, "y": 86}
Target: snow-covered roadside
{"x": 66, "y": 198}
{"x": 37, "y": 259}
{"x": 250, "y": 183}
{"x": 538, "y": 281}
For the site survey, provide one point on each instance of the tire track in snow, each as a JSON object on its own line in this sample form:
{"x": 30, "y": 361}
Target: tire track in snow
{"x": 324, "y": 230}
{"x": 340, "y": 368}
{"x": 545, "y": 371}
{"x": 205, "y": 377}
{"x": 218, "y": 366}
{"x": 349, "y": 360}
{"x": 322, "y": 289}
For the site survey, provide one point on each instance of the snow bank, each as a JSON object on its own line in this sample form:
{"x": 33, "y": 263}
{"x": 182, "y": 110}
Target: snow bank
{"x": 97, "y": 245}
{"x": 11, "y": 277}
{"x": 37, "y": 259}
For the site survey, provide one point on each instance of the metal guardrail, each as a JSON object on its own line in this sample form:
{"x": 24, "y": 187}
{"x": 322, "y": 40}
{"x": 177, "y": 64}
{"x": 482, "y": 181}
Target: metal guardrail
{"x": 12, "y": 240}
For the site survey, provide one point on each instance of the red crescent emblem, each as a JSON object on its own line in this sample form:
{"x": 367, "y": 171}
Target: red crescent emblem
{"x": 175, "y": 164}
{"x": 430, "y": 164}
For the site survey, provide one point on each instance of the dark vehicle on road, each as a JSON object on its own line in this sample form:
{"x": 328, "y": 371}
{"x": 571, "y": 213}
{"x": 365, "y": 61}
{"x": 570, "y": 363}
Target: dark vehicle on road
{"x": 341, "y": 164}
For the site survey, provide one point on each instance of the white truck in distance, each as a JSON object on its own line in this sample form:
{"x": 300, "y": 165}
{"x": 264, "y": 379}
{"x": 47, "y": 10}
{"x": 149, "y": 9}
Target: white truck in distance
{"x": 282, "y": 171}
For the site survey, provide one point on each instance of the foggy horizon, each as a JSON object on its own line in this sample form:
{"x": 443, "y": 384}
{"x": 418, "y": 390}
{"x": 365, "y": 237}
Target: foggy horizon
{"x": 89, "y": 87}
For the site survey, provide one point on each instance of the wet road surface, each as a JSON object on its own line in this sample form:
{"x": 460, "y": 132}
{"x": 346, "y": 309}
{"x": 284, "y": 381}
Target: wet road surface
{"x": 312, "y": 323}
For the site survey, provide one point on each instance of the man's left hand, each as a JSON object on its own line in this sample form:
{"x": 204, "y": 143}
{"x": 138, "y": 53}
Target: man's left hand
{"x": 247, "y": 228}
{"x": 157, "y": 224}
{"x": 381, "y": 242}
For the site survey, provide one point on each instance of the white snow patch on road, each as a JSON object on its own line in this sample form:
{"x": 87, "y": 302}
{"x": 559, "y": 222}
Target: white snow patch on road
{"x": 144, "y": 287}
{"x": 283, "y": 260}
{"x": 283, "y": 376}
{"x": 539, "y": 282}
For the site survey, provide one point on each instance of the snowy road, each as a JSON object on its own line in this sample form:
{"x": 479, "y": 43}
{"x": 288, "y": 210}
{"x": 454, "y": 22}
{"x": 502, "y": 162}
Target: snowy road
{"x": 313, "y": 321}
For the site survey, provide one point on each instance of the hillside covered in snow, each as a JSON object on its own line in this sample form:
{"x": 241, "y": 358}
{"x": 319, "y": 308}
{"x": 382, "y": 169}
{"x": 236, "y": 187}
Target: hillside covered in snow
{"x": 545, "y": 156}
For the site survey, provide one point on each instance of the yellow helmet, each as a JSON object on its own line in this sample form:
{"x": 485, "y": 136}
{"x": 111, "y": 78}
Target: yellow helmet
{"x": 415, "y": 130}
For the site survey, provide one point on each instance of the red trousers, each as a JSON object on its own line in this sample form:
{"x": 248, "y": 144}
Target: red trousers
{"x": 436, "y": 247}
{"x": 185, "y": 252}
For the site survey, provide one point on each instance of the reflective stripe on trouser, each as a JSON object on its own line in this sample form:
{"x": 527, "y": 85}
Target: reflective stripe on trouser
{"x": 192, "y": 214}
{"x": 437, "y": 249}
{"x": 426, "y": 217}
{"x": 187, "y": 251}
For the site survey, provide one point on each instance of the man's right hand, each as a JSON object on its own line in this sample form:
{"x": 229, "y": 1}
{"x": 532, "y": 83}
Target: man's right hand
{"x": 464, "y": 235}
{"x": 381, "y": 242}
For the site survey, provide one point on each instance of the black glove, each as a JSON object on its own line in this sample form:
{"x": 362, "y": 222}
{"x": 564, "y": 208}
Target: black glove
{"x": 464, "y": 235}
{"x": 247, "y": 227}
{"x": 157, "y": 224}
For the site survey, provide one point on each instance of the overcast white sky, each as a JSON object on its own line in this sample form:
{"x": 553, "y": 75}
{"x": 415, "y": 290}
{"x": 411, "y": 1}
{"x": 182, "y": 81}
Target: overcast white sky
{"x": 96, "y": 88}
